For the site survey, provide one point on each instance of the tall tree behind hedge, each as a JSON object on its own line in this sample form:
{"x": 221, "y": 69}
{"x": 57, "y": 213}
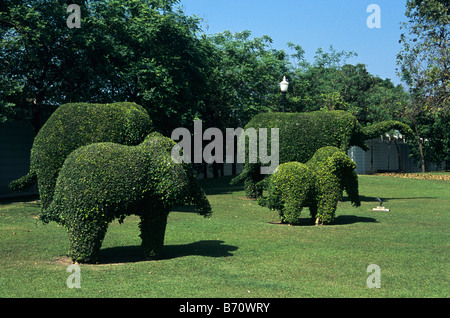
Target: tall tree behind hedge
{"x": 37, "y": 55}
{"x": 424, "y": 62}
{"x": 331, "y": 83}
{"x": 242, "y": 80}
{"x": 140, "y": 51}
{"x": 243, "y": 77}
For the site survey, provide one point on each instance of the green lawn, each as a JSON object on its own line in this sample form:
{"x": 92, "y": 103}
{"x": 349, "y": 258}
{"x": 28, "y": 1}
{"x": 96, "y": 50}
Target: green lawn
{"x": 242, "y": 252}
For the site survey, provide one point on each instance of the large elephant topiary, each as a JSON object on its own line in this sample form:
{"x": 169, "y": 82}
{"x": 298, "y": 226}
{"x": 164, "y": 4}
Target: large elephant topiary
{"x": 105, "y": 181}
{"x": 302, "y": 134}
{"x": 75, "y": 125}
{"x": 318, "y": 184}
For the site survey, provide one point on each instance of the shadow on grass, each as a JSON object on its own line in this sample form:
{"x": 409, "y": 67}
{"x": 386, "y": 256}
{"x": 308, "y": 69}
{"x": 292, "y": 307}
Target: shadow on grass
{"x": 351, "y": 219}
{"x": 220, "y": 185}
{"x": 364, "y": 198}
{"x": 339, "y": 220}
{"x": 133, "y": 254}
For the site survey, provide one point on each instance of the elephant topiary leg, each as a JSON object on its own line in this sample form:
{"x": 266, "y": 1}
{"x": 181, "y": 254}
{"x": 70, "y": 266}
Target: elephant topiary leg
{"x": 313, "y": 212}
{"x": 291, "y": 212}
{"x": 326, "y": 209}
{"x": 252, "y": 189}
{"x": 153, "y": 228}
{"x": 85, "y": 240}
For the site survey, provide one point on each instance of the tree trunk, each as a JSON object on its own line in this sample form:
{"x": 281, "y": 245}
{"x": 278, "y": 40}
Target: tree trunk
{"x": 371, "y": 156}
{"x": 400, "y": 169}
{"x": 389, "y": 154}
{"x": 215, "y": 168}
{"x": 420, "y": 143}
{"x": 422, "y": 159}
{"x": 36, "y": 116}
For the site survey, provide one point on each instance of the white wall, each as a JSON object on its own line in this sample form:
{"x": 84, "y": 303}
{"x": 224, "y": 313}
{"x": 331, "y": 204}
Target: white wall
{"x": 385, "y": 157}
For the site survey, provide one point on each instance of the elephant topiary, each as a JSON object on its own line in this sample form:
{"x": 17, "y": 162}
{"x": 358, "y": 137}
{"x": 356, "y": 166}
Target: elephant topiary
{"x": 302, "y": 134}
{"x": 105, "y": 181}
{"x": 75, "y": 125}
{"x": 318, "y": 184}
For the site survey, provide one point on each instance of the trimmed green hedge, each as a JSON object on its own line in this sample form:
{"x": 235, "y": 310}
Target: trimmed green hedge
{"x": 105, "y": 181}
{"x": 318, "y": 184}
{"x": 74, "y": 125}
{"x": 302, "y": 134}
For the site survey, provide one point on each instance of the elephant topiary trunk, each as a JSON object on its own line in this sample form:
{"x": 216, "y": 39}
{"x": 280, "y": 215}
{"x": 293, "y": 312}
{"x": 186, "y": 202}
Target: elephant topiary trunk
{"x": 318, "y": 184}
{"x": 105, "y": 181}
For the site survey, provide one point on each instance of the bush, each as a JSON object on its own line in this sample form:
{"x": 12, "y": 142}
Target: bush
{"x": 105, "y": 181}
{"x": 318, "y": 184}
{"x": 302, "y": 134}
{"x": 74, "y": 125}
{"x": 288, "y": 190}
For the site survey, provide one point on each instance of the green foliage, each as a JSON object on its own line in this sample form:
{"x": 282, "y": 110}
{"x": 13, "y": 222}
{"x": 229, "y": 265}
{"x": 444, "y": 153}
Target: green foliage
{"x": 436, "y": 148}
{"x": 424, "y": 62}
{"x": 74, "y": 125}
{"x": 318, "y": 184}
{"x": 289, "y": 188}
{"x": 330, "y": 83}
{"x": 425, "y": 54}
{"x": 302, "y": 134}
{"x": 441, "y": 141}
{"x": 243, "y": 78}
{"x": 142, "y": 51}
{"x": 105, "y": 181}
{"x": 24, "y": 182}
{"x": 377, "y": 129}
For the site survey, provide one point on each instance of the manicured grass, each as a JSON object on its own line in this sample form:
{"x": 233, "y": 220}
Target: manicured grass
{"x": 242, "y": 252}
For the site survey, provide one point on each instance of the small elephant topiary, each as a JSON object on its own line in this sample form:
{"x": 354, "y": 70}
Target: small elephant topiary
{"x": 105, "y": 181}
{"x": 318, "y": 184}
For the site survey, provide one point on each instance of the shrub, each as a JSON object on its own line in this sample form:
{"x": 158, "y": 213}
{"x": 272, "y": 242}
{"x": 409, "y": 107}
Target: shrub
{"x": 289, "y": 189}
{"x": 72, "y": 126}
{"x": 105, "y": 181}
{"x": 318, "y": 184}
{"x": 302, "y": 134}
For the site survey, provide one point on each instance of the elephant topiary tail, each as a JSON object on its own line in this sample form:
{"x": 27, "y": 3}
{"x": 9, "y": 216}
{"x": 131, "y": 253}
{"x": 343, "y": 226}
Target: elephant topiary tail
{"x": 24, "y": 182}
{"x": 199, "y": 200}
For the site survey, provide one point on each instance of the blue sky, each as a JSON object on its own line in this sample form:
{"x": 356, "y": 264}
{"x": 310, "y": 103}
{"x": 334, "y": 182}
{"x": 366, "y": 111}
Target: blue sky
{"x": 312, "y": 24}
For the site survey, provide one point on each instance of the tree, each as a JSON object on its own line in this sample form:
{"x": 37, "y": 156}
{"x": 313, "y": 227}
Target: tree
{"x": 424, "y": 65}
{"x": 244, "y": 73}
{"x": 385, "y": 102}
{"x": 242, "y": 80}
{"x": 144, "y": 51}
{"x": 36, "y": 57}
{"x": 329, "y": 82}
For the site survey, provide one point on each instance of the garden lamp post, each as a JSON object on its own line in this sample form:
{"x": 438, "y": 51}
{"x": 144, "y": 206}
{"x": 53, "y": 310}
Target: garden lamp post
{"x": 284, "y": 85}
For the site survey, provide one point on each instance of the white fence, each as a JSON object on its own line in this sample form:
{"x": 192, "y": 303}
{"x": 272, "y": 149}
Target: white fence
{"x": 386, "y": 155}
{"x": 383, "y": 155}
